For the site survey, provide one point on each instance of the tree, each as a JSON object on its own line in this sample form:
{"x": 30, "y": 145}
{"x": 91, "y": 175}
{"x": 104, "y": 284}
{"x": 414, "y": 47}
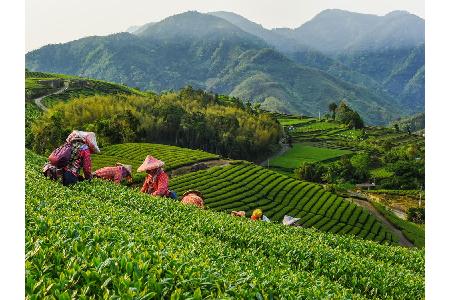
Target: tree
{"x": 310, "y": 172}
{"x": 345, "y": 115}
{"x": 332, "y": 108}
{"x": 397, "y": 129}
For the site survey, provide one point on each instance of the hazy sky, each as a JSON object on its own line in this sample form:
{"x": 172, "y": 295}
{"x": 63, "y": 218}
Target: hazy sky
{"x": 56, "y": 21}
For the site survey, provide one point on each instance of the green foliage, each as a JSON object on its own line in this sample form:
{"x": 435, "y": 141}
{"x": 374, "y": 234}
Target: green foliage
{"x": 247, "y": 187}
{"x": 188, "y": 118}
{"x": 310, "y": 172}
{"x": 413, "y": 232}
{"x": 301, "y": 153}
{"x": 100, "y": 240}
{"x": 414, "y": 123}
{"x": 416, "y": 215}
{"x": 348, "y": 117}
{"x": 135, "y": 153}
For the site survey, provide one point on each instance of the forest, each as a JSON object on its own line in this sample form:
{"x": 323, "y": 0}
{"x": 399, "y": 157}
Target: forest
{"x": 189, "y": 118}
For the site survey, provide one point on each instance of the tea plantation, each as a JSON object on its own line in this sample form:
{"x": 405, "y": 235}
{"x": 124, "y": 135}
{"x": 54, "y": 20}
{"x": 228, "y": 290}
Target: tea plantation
{"x": 100, "y": 240}
{"x": 245, "y": 186}
{"x": 135, "y": 153}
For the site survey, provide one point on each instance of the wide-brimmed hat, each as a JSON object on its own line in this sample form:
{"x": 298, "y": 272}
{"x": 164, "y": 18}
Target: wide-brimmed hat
{"x": 288, "y": 220}
{"x": 127, "y": 167}
{"x": 150, "y": 163}
{"x": 257, "y": 213}
{"x": 193, "y": 199}
{"x": 85, "y": 136}
{"x": 192, "y": 192}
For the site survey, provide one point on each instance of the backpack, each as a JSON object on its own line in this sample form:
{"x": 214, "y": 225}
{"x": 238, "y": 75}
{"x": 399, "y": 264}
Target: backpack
{"x": 60, "y": 157}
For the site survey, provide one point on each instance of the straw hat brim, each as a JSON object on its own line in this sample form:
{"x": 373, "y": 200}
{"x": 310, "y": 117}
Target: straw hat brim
{"x": 193, "y": 192}
{"x": 150, "y": 163}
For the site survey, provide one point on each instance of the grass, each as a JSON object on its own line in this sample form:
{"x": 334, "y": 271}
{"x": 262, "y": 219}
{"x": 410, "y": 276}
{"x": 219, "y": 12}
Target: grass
{"x": 301, "y": 153}
{"x": 294, "y": 121}
{"x": 318, "y": 126}
{"x": 100, "y": 240}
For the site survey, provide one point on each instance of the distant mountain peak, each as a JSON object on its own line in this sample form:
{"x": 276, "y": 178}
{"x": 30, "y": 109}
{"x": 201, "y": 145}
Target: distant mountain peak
{"x": 397, "y": 13}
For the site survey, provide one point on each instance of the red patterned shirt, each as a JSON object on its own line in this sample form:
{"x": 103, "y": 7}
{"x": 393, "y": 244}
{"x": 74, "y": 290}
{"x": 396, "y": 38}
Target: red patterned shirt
{"x": 157, "y": 185}
{"x": 115, "y": 174}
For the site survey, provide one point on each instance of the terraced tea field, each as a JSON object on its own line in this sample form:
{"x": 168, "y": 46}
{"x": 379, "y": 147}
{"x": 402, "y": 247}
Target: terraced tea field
{"x": 135, "y": 153}
{"x": 301, "y": 153}
{"x": 100, "y": 240}
{"x": 245, "y": 186}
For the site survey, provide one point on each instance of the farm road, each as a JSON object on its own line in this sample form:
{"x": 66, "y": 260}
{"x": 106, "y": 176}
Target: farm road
{"x": 402, "y": 240}
{"x": 39, "y": 99}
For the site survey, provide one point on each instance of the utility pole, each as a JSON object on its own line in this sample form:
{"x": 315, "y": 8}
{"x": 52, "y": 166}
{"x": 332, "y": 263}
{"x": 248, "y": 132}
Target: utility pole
{"x": 268, "y": 163}
{"x": 319, "y": 115}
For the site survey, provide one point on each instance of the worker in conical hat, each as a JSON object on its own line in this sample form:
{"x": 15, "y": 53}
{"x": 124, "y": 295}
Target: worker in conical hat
{"x": 193, "y": 197}
{"x": 115, "y": 173}
{"x": 82, "y": 145}
{"x": 157, "y": 181}
{"x": 258, "y": 215}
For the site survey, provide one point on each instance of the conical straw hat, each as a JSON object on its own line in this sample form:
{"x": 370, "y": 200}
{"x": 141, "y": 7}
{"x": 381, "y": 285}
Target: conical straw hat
{"x": 87, "y": 137}
{"x": 150, "y": 163}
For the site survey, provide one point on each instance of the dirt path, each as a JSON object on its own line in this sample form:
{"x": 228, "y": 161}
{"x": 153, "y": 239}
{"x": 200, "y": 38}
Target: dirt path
{"x": 39, "y": 99}
{"x": 283, "y": 149}
{"x": 199, "y": 166}
{"x": 402, "y": 240}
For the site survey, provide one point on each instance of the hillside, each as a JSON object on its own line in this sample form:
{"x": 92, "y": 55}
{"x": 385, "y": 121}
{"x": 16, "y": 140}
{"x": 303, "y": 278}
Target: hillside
{"x": 302, "y": 54}
{"x": 100, "y": 238}
{"x": 383, "y": 54}
{"x": 414, "y": 123}
{"x": 400, "y": 71}
{"x": 210, "y": 53}
{"x": 335, "y": 31}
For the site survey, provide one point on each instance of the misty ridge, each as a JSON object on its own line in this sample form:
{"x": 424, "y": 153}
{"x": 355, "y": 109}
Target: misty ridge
{"x": 376, "y": 63}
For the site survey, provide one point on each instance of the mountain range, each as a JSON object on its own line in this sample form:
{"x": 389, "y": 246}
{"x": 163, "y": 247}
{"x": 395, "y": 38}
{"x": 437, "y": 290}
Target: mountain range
{"x": 286, "y": 70}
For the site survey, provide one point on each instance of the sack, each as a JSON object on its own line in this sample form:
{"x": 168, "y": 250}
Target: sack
{"x": 60, "y": 157}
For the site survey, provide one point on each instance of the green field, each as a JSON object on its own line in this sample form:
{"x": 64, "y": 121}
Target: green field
{"x": 301, "y": 153}
{"x": 100, "y": 240}
{"x": 135, "y": 153}
{"x": 245, "y": 186}
{"x": 294, "y": 121}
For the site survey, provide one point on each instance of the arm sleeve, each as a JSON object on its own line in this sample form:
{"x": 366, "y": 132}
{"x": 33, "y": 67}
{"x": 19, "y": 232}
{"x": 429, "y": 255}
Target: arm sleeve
{"x": 87, "y": 165}
{"x": 145, "y": 186}
{"x": 118, "y": 176}
{"x": 163, "y": 185}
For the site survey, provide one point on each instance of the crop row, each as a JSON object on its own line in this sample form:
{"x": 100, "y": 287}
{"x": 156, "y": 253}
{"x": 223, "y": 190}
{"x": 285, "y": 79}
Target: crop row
{"x": 246, "y": 187}
{"x": 135, "y": 153}
{"x": 100, "y": 240}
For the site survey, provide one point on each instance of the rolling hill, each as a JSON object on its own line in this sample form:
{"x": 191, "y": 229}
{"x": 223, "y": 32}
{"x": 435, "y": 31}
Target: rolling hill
{"x": 211, "y": 53}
